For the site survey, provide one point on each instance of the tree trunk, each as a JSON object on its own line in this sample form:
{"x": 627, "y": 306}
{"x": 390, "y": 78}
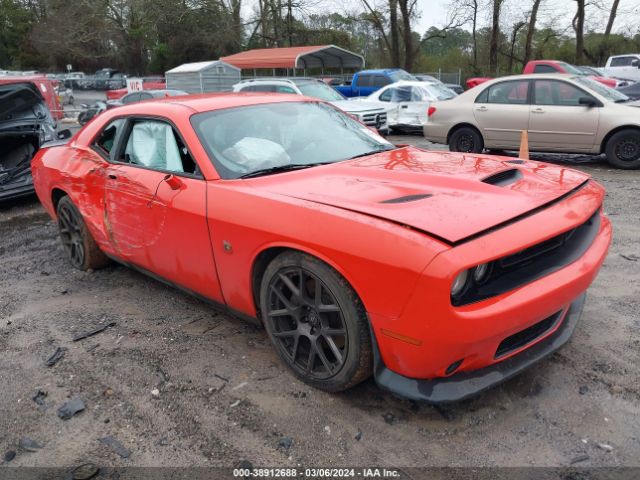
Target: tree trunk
{"x": 495, "y": 37}
{"x": 612, "y": 17}
{"x": 530, "y": 31}
{"x": 395, "y": 38}
{"x": 474, "y": 33}
{"x": 578, "y": 27}
{"x": 407, "y": 35}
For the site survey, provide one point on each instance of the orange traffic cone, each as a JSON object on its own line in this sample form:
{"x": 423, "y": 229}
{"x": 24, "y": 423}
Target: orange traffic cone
{"x": 524, "y": 145}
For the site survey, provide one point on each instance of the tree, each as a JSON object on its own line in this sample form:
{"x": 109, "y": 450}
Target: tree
{"x": 578, "y": 27}
{"x": 531, "y": 28}
{"x": 495, "y": 36}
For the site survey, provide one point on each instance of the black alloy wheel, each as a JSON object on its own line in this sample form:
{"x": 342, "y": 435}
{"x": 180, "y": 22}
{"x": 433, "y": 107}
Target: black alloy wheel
{"x": 316, "y": 322}
{"x": 81, "y": 249}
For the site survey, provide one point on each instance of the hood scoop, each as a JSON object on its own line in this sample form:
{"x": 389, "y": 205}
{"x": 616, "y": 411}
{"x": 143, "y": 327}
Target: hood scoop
{"x": 503, "y": 178}
{"x": 407, "y": 198}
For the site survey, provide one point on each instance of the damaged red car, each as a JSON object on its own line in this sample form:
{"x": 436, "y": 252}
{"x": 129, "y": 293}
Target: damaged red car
{"x": 441, "y": 274}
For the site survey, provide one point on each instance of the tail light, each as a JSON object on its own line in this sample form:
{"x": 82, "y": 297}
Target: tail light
{"x": 431, "y": 111}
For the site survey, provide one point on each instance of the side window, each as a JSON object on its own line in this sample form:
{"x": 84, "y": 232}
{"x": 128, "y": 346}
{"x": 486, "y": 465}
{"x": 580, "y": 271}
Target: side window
{"x": 283, "y": 89}
{"x": 131, "y": 98}
{"x": 544, "y": 69}
{"x": 510, "y": 93}
{"x": 386, "y": 95}
{"x": 365, "y": 80}
{"x": 259, "y": 88}
{"x": 107, "y": 138}
{"x": 622, "y": 61}
{"x": 401, "y": 94}
{"x": 483, "y": 97}
{"x": 145, "y": 96}
{"x": 555, "y": 92}
{"x": 380, "y": 81}
{"x": 154, "y": 144}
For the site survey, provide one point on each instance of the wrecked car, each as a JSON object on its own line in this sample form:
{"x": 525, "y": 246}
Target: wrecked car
{"x": 25, "y": 124}
{"x": 442, "y": 274}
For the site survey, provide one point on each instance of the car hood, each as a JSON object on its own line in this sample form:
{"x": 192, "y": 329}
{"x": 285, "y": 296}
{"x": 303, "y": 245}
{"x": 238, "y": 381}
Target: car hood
{"x": 22, "y": 104}
{"x": 357, "y": 107}
{"x": 451, "y": 196}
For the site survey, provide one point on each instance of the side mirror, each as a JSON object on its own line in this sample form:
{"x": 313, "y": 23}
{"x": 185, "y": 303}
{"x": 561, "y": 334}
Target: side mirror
{"x": 635, "y": 63}
{"x": 64, "y": 134}
{"x": 587, "y": 102}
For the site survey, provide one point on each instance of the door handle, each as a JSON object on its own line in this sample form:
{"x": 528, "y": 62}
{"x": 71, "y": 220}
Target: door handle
{"x": 537, "y": 110}
{"x": 112, "y": 176}
{"x": 404, "y": 106}
{"x": 482, "y": 109}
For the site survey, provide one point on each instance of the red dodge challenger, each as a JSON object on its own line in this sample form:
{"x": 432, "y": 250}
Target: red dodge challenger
{"x": 440, "y": 273}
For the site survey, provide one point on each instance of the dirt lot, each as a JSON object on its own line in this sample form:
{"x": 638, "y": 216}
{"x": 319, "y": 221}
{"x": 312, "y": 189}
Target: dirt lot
{"x": 178, "y": 384}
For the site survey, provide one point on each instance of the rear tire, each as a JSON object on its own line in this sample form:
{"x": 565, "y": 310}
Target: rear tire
{"x": 316, "y": 322}
{"x": 623, "y": 149}
{"x": 81, "y": 249}
{"x": 466, "y": 140}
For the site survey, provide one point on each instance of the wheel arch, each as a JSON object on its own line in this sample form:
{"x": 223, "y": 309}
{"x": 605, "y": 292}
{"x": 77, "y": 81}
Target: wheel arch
{"x": 458, "y": 126}
{"x": 56, "y": 196}
{"x": 607, "y": 137}
{"x": 264, "y": 257}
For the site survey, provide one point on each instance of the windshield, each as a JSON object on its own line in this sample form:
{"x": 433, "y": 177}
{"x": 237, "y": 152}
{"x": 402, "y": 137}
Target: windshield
{"x": 571, "y": 69}
{"x": 401, "y": 75}
{"x": 247, "y": 139}
{"x": 320, "y": 90}
{"x": 439, "y": 91}
{"x": 602, "y": 90}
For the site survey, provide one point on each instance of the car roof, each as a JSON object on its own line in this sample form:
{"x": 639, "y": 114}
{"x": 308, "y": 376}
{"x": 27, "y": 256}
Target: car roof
{"x": 212, "y": 101}
{"x": 381, "y": 70}
{"x": 531, "y": 76}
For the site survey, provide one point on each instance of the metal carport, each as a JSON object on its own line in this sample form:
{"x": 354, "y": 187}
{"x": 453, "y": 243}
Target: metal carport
{"x": 317, "y": 56}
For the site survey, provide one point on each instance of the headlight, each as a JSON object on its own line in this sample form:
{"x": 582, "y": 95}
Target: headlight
{"x": 459, "y": 283}
{"x": 481, "y": 272}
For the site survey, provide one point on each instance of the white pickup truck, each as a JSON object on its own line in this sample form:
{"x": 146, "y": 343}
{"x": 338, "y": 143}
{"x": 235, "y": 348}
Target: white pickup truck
{"x": 624, "y": 66}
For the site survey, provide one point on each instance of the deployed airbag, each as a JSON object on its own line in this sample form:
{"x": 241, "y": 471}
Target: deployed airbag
{"x": 154, "y": 145}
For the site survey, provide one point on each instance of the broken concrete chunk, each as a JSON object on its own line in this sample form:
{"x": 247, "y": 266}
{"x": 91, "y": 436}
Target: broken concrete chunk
{"x": 39, "y": 397}
{"x": 29, "y": 444}
{"x": 70, "y": 408}
{"x": 116, "y": 446}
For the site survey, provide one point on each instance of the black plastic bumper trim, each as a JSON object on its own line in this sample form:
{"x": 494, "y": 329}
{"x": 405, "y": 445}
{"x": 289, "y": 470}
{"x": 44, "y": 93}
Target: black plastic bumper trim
{"x": 464, "y": 385}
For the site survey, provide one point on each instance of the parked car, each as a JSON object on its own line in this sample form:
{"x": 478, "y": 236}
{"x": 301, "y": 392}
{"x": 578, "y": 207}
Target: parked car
{"x": 632, "y": 91}
{"x": 46, "y": 87}
{"x": 108, "y": 79}
{"x": 562, "y": 113}
{"x": 366, "y": 82}
{"x": 121, "y": 92}
{"x": 77, "y": 80}
{"x": 595, "y": 72}
{"x": 442, "y": 274}
{"x": 457, "y": 88}
{"x": 553, "y": 66}
{"x": 407, "y": 102}
{"x": 370, "y": 114}
{"x": 134, "y": 97}
{"x": 625, "y": 66}
{"x": 88, "y": 112}
{"x": 25, "y": 124}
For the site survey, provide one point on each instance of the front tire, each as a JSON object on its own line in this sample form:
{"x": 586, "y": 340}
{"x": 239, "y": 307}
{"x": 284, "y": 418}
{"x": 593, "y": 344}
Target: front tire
{"x": 466, "y": 140}
{"x": 316, "y": 322}
{"x": 81, "y": 249}
{"x": 623, "y": 149}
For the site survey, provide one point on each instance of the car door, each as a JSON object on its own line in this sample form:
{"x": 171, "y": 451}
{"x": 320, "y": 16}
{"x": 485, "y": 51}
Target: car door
{"x": 558, "y": 121}
{"x": 502, "y": 113}
{"x": 155, "y": 201}
{"x": 384, "y": 97}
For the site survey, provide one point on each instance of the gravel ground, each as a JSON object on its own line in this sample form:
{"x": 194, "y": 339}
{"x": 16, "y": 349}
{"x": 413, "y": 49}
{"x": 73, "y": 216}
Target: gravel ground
{"x": 178, "y": 384}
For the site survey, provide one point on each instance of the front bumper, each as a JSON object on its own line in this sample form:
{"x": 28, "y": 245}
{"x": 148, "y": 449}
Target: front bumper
{"x": 463, "y": 385}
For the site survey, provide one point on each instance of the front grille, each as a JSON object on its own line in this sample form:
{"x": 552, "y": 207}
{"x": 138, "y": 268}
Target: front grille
{"x": 532, "y": 263}
{"x": 374, "y": 119}
{"x": 526, "y": 336}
